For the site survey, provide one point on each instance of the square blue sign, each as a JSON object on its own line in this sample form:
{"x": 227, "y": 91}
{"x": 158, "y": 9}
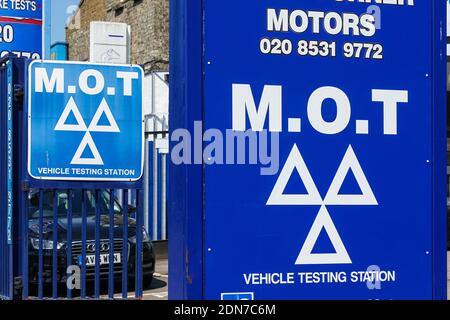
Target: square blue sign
{"x": 85, "y": 121}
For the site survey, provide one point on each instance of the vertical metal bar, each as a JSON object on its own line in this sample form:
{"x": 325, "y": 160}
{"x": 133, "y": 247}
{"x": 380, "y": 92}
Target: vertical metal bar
{"x": 55, "y": 244}
{"x": 163, "y": 197}
{"x": 97, "y": 244}
{"x": 46, "y": 30}
{"x": 83, "y": 242}
{"x": 69, "y": 236}
{"x": 40, "y": 253}
{"x": 111, "y": 246}
{"x": 146, "y": 184}
{"x": 138, "y": 266}
{"x": 155, "y": 191}
{"x": 25, "y": 243}
{"x": 125, "y": 245}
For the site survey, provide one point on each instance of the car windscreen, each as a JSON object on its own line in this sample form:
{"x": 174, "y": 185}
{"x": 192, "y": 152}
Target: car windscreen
{"x": 63, "y": 203}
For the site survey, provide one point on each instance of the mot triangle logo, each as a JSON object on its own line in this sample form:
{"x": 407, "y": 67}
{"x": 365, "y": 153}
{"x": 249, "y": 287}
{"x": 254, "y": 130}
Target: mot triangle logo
{"x": 350, "y": 162}
{"x": 295, "y": 162}
{"x": 103, "y": 109}
{"x": 87, "y": 142}
{"x": 323, "y": 220}
{"x": 70, "y": 109}
{"x": 340, "y": 256}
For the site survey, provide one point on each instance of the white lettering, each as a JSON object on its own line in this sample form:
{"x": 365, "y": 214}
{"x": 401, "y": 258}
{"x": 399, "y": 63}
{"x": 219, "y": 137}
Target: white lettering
{"x": 270, "y": 102}
{"x": 83, "y": 82}
{"x": 390, "y": 100}
{"x": 343, "y": 110}
{"x": 41, "y": 80}
{"x": 128, "y": 78}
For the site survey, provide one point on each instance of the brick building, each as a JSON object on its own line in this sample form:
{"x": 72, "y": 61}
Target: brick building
{"x": 149, "y": 21}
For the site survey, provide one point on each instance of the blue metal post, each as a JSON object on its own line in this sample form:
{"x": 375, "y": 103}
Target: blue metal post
{"x": 125, "y": 245}
{"x": 186, "y": 210}
{"x": 25, "y": 242}
{"x": 47, "y": 29}
{"x": 83, "y": 242}
{"x": 69, "y": 235}
{"x": 111, "y": 246}
{"x": 97, "y": 244}
{"x": 139, "y": 223}
{"x": 55, "y": 245}
{"x": 41, "y": 238}
{"x": 439, "y": 151}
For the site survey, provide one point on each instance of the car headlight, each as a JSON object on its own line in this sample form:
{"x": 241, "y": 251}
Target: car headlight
{"x": 145, "y": 237}
{"x": 46, "y": 244}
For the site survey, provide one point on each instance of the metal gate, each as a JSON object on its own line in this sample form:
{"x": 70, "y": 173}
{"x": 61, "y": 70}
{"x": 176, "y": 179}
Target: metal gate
{"x": 72, "y": 239}
{"x": 6, "y": 170}
{"x": 71, "y": 235}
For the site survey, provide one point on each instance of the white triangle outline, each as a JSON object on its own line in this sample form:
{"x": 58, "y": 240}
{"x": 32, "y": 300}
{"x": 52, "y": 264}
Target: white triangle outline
{"x": 61, "y": 125}
{"x": 87, "y": 141}
{"x": 295, "y": 161}
{"x": 103, "y": 108}
{"x": 350, "y": 162}
{"x": 340, "y": 256}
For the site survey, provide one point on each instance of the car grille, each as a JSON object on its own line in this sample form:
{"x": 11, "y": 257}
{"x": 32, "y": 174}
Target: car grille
{"x": 118, "y": 248}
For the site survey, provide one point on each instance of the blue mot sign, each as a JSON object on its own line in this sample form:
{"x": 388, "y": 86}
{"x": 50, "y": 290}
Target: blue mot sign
{"x": 350, "y": 97}
{"x": 85, "y": 122}
{"x": 21, "y": 28}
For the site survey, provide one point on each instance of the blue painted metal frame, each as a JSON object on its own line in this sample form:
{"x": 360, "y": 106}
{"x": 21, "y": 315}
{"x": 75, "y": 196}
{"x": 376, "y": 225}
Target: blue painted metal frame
{"x": 186, "y": 182}
{"x": 111, "y": 248}
{"x": 6, "y": 203}
{"x": 439, "y": 151}
{"x": 185, "y": 193}
{"x": 69, "y": 237}
{"x": 125, "y": 247}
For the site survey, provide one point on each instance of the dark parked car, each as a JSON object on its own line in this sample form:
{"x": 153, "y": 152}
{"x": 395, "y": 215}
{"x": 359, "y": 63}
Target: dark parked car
{"x": 148, "y": 261}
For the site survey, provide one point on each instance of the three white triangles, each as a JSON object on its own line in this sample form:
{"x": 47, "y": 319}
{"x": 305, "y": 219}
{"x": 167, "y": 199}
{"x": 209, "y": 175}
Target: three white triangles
{"x": 87, "y": 141}
{"x": 312, "y": 197}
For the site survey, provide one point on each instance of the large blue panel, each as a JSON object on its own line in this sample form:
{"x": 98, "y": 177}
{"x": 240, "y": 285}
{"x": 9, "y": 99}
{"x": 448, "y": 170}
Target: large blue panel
{"x": 367, "y": 232}
{"x": 21, "y": 28}
{"x": 85, "y": 122}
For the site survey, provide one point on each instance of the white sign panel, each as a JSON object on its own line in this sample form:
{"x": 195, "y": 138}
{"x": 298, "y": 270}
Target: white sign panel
{"x": 109, "y": 42}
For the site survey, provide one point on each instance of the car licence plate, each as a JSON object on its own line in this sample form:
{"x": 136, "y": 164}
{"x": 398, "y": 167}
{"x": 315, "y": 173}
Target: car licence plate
{"x": 104, "y": 259}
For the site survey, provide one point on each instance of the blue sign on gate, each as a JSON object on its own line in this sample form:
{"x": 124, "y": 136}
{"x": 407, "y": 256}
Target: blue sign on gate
{"x": 85, "y": 122}
{"x": 348, "y": 90}
{"x": 21, "y": 28}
